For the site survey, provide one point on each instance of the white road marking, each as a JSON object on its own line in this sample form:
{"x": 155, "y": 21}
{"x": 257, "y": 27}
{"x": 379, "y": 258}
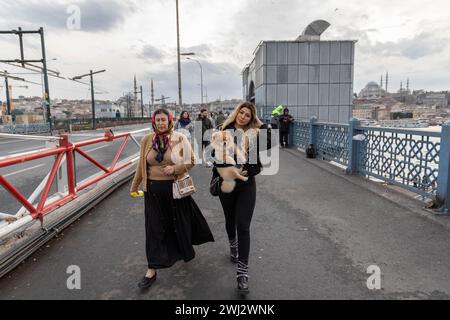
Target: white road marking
{"x": 23, "y": 170}
{"x": 27, "y": 149}
{"x": 12, "y": 141}
{"x": 96, "y": 149}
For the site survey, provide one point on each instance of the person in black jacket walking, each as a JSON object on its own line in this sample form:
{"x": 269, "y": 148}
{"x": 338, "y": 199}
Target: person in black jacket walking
{"x": 238, "y": 206}
{"x": 285, "y": 122}
{"x": 206, "y": 125}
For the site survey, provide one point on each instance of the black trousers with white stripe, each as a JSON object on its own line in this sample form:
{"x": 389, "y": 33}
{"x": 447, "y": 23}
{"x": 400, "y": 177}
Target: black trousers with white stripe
{"x": 238, "y": 207}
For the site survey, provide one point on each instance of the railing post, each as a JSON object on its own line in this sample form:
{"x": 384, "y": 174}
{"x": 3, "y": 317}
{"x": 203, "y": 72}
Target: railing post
{"x": 443, "y": 186}
{"x": 352, "y": 147}
{"x": 66, "y": 179}
{"x": 313, "y": 131}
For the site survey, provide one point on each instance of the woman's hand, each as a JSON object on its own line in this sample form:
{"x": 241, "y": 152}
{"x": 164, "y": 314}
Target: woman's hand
{"x": 259, "y": 122}
{"x": 169, "y": 170}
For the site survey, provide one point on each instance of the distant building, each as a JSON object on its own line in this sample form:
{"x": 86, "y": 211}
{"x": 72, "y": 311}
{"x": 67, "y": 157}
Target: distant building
{"x": 310, "y": 76}
{"x": 372, "y": 91}
{"x": 29, "y": 118}
{"x": 433, "y": 99}
{"x": 363, "y": 112}
{"x": 109, "y": 110}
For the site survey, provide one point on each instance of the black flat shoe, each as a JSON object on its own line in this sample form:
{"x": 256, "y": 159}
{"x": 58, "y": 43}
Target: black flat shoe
{"x": 147, "y": 282}
{"x": 243, "y": 285}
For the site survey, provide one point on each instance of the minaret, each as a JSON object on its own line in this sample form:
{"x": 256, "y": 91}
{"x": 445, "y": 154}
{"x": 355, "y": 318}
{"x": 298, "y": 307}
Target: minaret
{"x": 381, "y": 87}
{"x": 135, "y": 96}
{"x": 153, "y": 95}
{"x": 407, "y": 85}
{"x": 387, "y": 81}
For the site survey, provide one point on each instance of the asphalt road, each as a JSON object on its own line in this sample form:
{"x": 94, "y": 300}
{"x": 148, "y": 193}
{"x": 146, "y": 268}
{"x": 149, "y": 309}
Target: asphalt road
{"x": 27, "y": 176}
{"x": 314, "y": 235}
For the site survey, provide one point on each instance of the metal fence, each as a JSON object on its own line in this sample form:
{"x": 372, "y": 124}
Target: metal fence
{"x": 70, "y": 125}
{"x": 416, "y": 160}
{"x": 31, "y": 128}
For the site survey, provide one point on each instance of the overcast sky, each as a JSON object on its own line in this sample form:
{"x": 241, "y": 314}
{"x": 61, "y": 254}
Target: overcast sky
{"x": 409, "y": 39}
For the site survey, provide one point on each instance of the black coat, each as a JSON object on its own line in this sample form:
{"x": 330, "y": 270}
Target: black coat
{"x": 285, "y": 122}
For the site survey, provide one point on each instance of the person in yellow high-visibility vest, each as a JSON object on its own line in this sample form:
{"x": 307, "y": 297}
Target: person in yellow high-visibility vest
{"x": 274, "y": 117}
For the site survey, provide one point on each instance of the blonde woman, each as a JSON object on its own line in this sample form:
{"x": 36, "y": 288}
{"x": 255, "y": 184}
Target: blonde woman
{"x": 171, "y": 226}
{"x": 238, "y": 206}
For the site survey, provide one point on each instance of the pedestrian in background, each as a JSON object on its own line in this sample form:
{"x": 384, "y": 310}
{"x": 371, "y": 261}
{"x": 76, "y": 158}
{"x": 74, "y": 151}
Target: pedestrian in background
{"x": 285, "y": 121}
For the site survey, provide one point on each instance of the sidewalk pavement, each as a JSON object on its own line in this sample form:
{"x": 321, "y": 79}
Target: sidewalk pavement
{"x": 315, "y": 231}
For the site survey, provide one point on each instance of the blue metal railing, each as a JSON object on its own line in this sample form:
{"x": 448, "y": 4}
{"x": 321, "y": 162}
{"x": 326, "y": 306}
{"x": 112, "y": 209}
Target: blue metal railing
{"x": 416, "y": 160}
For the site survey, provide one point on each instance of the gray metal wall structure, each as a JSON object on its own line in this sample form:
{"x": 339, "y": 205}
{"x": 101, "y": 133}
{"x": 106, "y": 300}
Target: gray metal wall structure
{"x": 311, "y": 78}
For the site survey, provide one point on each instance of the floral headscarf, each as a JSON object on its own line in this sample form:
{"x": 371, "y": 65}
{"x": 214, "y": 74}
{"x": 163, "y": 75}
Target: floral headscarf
{"x": 161, "y": 145}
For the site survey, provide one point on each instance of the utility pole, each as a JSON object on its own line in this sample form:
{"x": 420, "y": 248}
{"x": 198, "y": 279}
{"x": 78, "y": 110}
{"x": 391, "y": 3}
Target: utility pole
{"x": 180, "y": 101}
{"x": 46, "y": 86}
{"x": 91, "y": 75}
{"x": 8, "y": 99}
{"x": 24, "y": 61}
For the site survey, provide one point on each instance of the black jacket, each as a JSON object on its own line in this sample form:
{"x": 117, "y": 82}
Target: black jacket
{"x": 206, "y": 125}
{"x": 285, "y": 122}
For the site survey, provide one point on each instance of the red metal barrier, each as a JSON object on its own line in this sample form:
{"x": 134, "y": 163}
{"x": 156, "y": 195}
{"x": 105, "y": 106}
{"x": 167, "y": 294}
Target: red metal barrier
{"x": 65, "y": 149}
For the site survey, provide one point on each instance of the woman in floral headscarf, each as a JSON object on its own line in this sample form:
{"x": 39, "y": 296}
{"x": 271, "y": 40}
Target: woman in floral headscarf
{"x": 171, "y": 226}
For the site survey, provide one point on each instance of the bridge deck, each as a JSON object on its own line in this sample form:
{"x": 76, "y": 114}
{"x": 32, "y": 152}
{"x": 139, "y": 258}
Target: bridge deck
{"x": 314, "y": 234}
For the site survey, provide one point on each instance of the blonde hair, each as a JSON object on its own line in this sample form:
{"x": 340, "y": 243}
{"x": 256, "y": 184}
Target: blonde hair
{"x": 253, "y": 124}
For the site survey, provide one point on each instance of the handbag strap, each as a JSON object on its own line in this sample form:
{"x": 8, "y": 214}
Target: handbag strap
{"x": 176, "y": 177}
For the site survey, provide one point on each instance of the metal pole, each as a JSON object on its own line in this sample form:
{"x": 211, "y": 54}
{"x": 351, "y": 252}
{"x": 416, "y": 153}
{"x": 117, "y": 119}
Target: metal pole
{"x": 21, "y": 46}
{"x": 46, "y": 87}
{"x": 93, "y": 101}
{"x": 8, "y": 100}
{"x": 178, "y": 58}
{"x": 142, "y": 104}
{"x": 201, "y": 80}
{"x": 153, "y": 96}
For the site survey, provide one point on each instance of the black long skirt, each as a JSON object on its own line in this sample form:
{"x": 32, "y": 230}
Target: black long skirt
{"x": 172, "y": 227}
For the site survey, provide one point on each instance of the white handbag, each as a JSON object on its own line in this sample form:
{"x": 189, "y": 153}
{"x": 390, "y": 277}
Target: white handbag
{"x": 183, "y": 187}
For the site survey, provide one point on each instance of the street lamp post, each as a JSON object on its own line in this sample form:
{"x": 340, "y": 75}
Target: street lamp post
{"x": 201, "y": 78}
{"x": 180, "y": 101}
{"x": 91, "y": 75}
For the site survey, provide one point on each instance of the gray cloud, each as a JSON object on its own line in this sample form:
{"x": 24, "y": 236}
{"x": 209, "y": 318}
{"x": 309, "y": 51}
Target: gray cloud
{"x": 220, "y": 79}
{"x": 95, "y": 15}
{"x": 150, "y": 53}
{"x": 201, "y": 50}
{"x": 420, "y": 46}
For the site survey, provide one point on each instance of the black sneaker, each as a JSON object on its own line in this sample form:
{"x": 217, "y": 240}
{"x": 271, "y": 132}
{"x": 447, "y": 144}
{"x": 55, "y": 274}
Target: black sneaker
{"x": 146, "y": 282}
{"x": 242, "y": 286}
